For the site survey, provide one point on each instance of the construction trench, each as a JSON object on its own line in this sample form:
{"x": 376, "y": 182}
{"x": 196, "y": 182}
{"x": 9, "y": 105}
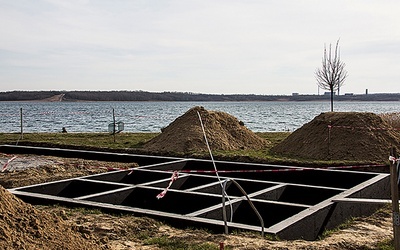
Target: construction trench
{"x": 293, "y": 202}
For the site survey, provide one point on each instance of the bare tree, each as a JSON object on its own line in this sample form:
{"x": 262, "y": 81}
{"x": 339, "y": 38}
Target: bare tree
{"x": 332, "y": 74}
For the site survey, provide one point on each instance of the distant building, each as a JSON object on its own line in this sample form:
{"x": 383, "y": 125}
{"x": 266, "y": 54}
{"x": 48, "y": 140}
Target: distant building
{"x": 329, "y": 93}
{"x": 348, "y": 94}
{"x": 366, "y": 91}
{"x": 295, "y": 94}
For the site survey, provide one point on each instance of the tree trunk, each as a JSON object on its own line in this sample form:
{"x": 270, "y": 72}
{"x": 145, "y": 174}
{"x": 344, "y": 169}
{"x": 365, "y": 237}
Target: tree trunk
{"x": 331, "y": 99}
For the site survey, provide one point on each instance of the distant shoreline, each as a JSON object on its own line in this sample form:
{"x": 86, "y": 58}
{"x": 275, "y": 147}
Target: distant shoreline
{"x": 95, "y": 96}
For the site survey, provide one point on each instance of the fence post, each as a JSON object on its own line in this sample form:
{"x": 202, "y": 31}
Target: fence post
{"x": 395, "y": 199}
{"x": 329, "y": 139}
{"x": 22, "y": 125}
{"x": 114, "y": 124}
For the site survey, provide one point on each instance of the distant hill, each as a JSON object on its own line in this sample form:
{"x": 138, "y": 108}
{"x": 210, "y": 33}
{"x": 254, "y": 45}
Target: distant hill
{"x": 73, "y": 96}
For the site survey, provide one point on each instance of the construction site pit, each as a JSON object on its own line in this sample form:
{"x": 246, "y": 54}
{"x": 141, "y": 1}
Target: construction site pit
{"x": 291, "y": 202}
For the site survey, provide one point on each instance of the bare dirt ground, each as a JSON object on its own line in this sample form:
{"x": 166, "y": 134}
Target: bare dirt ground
{"x": 54, "y": 227}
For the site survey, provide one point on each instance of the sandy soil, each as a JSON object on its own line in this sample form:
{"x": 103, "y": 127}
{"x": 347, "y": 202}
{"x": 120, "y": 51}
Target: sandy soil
{"x": 53, "y": 227}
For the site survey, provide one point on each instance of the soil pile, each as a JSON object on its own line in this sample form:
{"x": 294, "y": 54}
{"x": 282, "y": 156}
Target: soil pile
{"x": 24, "y": 227}
{"x": 223, "y": 131}
{"x": 361, "y": 137}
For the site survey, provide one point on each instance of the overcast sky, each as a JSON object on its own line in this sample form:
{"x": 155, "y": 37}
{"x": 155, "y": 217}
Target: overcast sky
{"x": 200, "y": 46}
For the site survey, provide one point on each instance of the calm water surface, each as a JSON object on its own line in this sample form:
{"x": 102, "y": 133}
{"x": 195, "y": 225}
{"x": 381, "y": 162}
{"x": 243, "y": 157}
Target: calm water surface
{"x": 152, "y": 116}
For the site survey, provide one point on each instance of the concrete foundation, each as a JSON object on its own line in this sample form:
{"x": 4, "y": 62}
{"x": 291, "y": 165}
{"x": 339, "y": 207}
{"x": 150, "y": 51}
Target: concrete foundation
{"x": 293, "y": 202}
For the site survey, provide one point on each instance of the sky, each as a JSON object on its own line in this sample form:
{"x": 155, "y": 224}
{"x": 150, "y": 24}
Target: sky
{"x": 266, "y": 47}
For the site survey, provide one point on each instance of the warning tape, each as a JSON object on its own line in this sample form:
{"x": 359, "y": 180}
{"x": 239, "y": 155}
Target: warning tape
{"x": 253, "y": 170}
{"x": 360, "y": 127}
{"x": 174, "y": 177}
{"x": 279, "y": 170}
{"x": 393, "y": 159}
{"x": 7, "y": 163}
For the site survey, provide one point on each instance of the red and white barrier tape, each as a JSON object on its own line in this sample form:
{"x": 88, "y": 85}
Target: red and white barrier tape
{"x": 7, "y": 163}
{"x": 393, "y": 159}
{"x": 174, "y": 177}
{"x": 254, "y": 170}
{"x": 359, "y": 127}
{"x": 278, "y": 170}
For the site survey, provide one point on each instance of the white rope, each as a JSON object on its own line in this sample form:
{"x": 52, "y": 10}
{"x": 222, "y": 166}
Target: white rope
{"x": 215, "y": 167}
{"x": 208, "y": 147}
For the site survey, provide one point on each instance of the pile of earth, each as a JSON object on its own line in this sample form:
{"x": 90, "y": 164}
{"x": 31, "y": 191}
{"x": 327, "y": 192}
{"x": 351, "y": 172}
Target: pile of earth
{"x": 352, "y": 136}
{"x": 223, "y": 132}
{"x": 24, "y": 227}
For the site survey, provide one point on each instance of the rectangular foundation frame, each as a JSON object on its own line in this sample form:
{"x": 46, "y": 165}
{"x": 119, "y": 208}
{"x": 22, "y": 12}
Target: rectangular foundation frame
{"x": 295, "y": 203}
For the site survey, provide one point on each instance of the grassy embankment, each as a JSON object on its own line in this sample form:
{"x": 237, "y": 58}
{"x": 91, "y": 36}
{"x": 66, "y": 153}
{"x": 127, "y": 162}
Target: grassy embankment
{"x": 133, "y": 142}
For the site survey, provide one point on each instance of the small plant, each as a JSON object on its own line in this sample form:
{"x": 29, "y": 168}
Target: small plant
{"x": 342, "y": 226}
{"x": 85, "y": 211}
{"x": 175, "y": 244}
{"x": 143, "y": 235}
{"x": 386, "y": 245}
{"x": 255, "y": 234}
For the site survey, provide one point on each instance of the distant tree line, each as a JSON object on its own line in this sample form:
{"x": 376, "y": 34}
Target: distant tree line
{"x": 179, "y": 96}
{"x": 158, "y": 96}
{"x": 27, "y": 95}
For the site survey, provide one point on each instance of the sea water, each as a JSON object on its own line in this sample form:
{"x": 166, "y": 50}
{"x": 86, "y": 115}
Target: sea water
{"x": 153, "y": 116}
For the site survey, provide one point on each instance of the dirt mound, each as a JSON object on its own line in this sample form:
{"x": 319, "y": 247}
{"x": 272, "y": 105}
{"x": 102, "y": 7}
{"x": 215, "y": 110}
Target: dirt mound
{"x": 185, "y": 134}
{"x": 362, "y": 137}
{"x": 24, "y": 227}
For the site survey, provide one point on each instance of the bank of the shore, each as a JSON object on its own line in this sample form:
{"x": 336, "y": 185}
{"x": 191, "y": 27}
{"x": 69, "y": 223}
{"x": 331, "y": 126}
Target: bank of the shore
{"x": 55, "y": 96}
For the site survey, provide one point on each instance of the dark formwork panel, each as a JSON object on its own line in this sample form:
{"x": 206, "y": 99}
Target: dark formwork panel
{"x": 71, "y": 189}
{"x": 306, "y": 177}
{"x": 326, "y": 178}
{"x": 131, "y": 177}
{"x": 305, "y": 195}
{"x": 173, "y": 202}
{"x": 270, "y": 212}
{"x": 233, "y": 190}
{"x": 186, "y": 182}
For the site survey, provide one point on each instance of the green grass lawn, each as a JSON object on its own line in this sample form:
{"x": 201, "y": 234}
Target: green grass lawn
{"x": 92, "y": 140}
